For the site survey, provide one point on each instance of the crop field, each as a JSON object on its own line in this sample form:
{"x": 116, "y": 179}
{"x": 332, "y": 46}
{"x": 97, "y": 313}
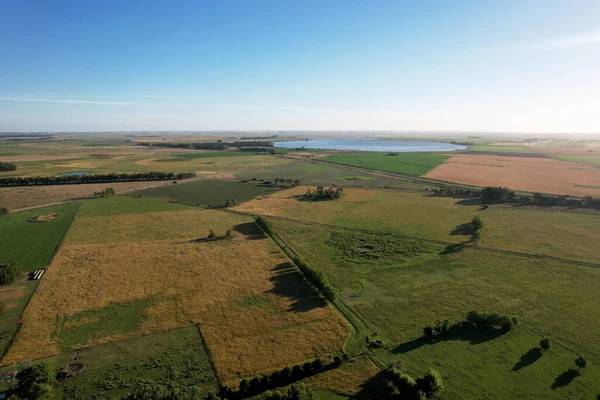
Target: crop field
{"x": 31, "y": 245}
{"x": 403, "y": 163}
{"x": 211, "y": 193}
{"x": 542, "y": 175}
{"x": 13, "y": 299}
{"x": 254, "y": 310}
{"x": 397, "y": 292}
{"x": 27, "y": 196}
{"x": 498, "y": 148}
{"x": 582, "y": 159}
{"x": 564, "y": 233}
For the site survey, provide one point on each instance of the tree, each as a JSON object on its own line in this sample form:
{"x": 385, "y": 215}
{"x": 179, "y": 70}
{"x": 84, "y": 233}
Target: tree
{"x": 244, "y": 386}
{"x": 34, "y": 382}
{"x": 3, "y": 211}
{"x": 318, "y": 365}
{"x": 545, "y": 343}
{"x": 431, "y": 383}
{"x": 580, "y": 361}
{"x": 8, "y": 273}
{"x": 211, "y": 235}
{"x": 477, "y": 223}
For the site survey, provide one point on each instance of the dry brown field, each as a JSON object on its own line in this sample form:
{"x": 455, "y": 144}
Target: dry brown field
{"x": 581, "y": 151}
{"x": 348, "y": 379}
{"x": 255, "y": 313}
{"x": 20, "y": 197}
{"x": 543, "y": 175}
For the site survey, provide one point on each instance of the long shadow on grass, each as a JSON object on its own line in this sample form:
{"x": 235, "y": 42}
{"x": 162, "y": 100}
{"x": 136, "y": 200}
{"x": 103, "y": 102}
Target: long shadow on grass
{"x": 288, "y": 282}
{"x": 463, "y": 229}
{"x": 472, "y": 335}
{"x": 565, "y": 378}
{"x": 528, "y": 358}
{"x": 250, "y": 230}
{"x": 374, "y": 389}
{"x": 454, "y": 248}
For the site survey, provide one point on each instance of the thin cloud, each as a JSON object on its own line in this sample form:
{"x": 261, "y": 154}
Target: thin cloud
{"x": 68, "y": 101}
{"x": 261, "y": 107}
{"x": 586, "y": 39}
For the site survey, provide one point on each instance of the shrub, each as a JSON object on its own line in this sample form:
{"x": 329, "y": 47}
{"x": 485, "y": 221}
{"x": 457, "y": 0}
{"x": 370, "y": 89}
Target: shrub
{"x": 477, "y": 223}
{"x": 3, "y": 211}
{"x": 264, "y": 224}
{"x": 545, "y": 343}
{"x": 8, "y": 273}
{"x": 318, "y": 365}
{"x": 34, "y": 382}
{"x": 431, "y": 383}
{"x": 580, "y": 361}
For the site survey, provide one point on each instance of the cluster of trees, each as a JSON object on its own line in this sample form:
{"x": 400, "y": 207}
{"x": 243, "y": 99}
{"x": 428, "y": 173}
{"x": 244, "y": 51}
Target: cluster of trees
{"x": 286, "y": 183}
{"x": 461, "y": 143}
{"x": 4, "y": 166}
{"x": 400, "y": 385}
{"x": 258, "y": 150}
{"x": 34, "y": 382}
{"x": 80, "y": 179}
{"x": 105, "y": 193}
{"x": 196, "y": 146}
{"x": 8, "y": 273}
{"x": 230, "y": 202}
{"x": 475, "y": 319}
{"x": 250, "y": 387}
{"x": 155, "y": 391}
{"x": 296, "y": 392}
{"x": 477, "y": 226}
{"x": 253, "y": 143}
{"x": 563, "y": 200}
{"x": 448, "y": 191}
{"x": 497, "y": 194}
{"x": 324, "y": 194}
{"x": 317, "y": 279}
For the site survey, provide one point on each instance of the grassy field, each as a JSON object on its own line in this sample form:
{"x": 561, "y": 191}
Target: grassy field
{"x": 403, "y": 163}
{"x": 13, "y": 299}
{"x": 583, "y": 159}
{"x": 212, "y": 193}
{"x": 117, "y": 205}
{"x": 31, "y": 245}
{"x": 561, "y": 233}
{"x": 503, "y": 149}
{"x": 399, "y": 292}
{"x": 126, "y": 275}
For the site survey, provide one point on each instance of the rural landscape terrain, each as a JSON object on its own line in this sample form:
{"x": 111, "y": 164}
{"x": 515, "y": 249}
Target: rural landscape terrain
{"x": 281, "y": 265}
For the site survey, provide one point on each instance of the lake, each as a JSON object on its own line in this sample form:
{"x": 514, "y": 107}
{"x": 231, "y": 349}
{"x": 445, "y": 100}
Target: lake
{"x": 397, "y": 146}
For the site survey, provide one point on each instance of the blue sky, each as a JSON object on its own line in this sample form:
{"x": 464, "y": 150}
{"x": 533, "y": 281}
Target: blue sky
{"x": 505, "y": 66}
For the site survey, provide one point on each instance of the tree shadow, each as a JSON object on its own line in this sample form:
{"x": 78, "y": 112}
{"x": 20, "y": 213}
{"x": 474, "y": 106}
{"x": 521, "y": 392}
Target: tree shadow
{"x": 463, "y": 229}
{"x": 288, "y": 282}
{"x": 463, "y": 333}
{"x": 565, "y": 378}
{"x": 475, "y": 201}
{"x": 250, "y": 230}
{"x": 528, "y": 358}
{"x": 374, "y": 388}
{"x": 454, "y": 248}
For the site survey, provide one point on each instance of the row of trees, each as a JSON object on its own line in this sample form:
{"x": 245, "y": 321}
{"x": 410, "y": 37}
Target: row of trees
{"x": 312, "y": 275}
{"x": 96, "y": 178}
{"x": 105, "y": 193}
{"x": 475, "y": 319}
{"x": 400, "y": 385}
{"x": 253, "y": 143}
{"x": 155, "y": 391}
{"x": 321, "y": 193}
{"x": 497, "y": 194}
{"x": 8, "y": 273}
{"x": 196, "y": 146}
{"x": 296, "y": 392}
{"x": 250, "y": 387}
{"x": 258, "y": 149}
{"x": 286, "y": 183}
{"x": 7, "y": 166}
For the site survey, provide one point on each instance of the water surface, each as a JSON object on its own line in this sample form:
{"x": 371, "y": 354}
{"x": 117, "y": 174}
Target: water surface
{"x": 362, "y": 144}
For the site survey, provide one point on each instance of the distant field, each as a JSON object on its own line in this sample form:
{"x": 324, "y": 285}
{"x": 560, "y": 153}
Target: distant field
{"x": 498, "y": 148}
{"x": 543, "y": 175}
{"x": 403, "y": 163}
{"x": 130, "y": 287}
{"x": 117, "y": 205}
{"x": 583, "y": 159}
{"x": 31, "y": 245}
{"x": 397, "y": 294}
{"x": 568, "y": 234}
{"x": 212, "y": 193}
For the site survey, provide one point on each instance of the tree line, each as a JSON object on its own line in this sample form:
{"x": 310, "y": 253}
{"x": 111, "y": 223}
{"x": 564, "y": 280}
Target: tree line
{"x": 285, "y": 183}
{"x": 321, "y": 193}
{"x": 95, "y": 178}
{"x": 475, "y": 319}
{"x": 312, "y": 275}
{"x": 257, "y": 149}
{"x": 218, "y": 145}
{"x": 400, "y": 385}
{"x": 7, "y": 166}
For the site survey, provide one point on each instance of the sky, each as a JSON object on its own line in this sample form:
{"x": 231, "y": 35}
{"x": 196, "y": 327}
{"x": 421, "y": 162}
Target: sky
{"x": 473, "y": 66}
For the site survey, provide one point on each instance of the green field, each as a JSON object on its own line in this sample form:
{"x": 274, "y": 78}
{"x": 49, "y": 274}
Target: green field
{"x": 211, "y": 193}
{"x": 117, "y": 205}
{"x": 583, "y": 159}
{"x": 502, "y": 149}
{"x": 402, "y": 163}
{"x": 12, "y": 306}
{"x": 397, "y": 292}
{"x": 31, "y": 245}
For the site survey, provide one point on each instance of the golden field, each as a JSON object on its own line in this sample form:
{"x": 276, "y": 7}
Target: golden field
{"x": 255, "y": 312}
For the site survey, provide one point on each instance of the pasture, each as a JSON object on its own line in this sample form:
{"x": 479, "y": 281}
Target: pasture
{"x": 562, "y": 233}
{"x": 402, "y": 163}
{"x": 211, "y": 193}
{"x": 527, "y": 174}
{"x": 397, "y": 293}
{"x": 31, "y": 245}
{"x": 146, "y": 273}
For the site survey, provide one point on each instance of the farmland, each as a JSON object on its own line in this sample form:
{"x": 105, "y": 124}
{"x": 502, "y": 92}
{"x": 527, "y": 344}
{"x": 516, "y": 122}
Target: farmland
{"x": 521, "y": 173}
{"x": 403, "y": 163}
{"x": 179, "y": 288}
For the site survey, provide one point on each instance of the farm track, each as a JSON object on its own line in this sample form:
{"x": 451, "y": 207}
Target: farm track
{"x": 435, "y": 241}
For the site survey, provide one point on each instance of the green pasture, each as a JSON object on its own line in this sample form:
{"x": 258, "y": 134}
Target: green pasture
{"x": 403, "y": 163}
{"x": 117, "y": 205}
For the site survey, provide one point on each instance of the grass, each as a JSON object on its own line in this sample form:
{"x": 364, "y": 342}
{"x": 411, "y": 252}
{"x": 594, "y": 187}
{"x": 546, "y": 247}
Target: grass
{"x": 583, "y": 159}
{"x": 31, "y": 245}
{"x": 13, "y": 299}
{"x": 557, "y": 232}
{"x": 118, "y": 205}
{"x": 502, "y": 149}
{"x": 398, "y": 297}
{"x": 403, "y": 163}
{"x": 211, "y": 193}
{"x": 182, "y": 281}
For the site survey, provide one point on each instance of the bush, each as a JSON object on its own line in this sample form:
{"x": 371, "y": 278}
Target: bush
{"x": 3, "y": 211}
{"x": 477, "y": 223}
{"x": 34, "y": 382}
{"x": 431, "y": 383}
{"x": 580, "y": 361}
{"x": 545, "y": 343}
{"x": 8, "y": 273}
